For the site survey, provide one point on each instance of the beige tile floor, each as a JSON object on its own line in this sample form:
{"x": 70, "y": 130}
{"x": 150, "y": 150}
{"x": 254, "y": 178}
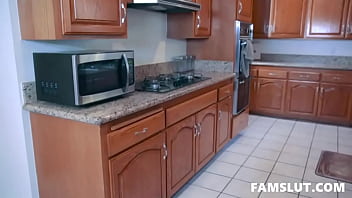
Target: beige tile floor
{"x": 270, "y": 150}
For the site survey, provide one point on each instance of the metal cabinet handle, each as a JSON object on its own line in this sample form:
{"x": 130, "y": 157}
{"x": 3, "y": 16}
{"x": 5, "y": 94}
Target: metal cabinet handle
{"x": 240, "y": 9}
{"x": 304, "y": 76}
{"x": 145, "y": 130}
{"x": 195, "y": 130}
{"x": 271, "y": 74}
{"x": 198, "y": 21}
{"x": 199, "y": 128}
{"x": 336, "y": 78}
{"x": 242, "y": 82}
{"x": 165, "y": 152}
{"x": 220, "y": 112}
{"x": 123, "y": 19}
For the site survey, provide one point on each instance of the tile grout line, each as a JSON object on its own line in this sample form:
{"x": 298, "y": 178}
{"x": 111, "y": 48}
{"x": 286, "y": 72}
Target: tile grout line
{"x": 248, "y": 155}
{"x": 309, "y": 152}
{"x": 277, "y": 159}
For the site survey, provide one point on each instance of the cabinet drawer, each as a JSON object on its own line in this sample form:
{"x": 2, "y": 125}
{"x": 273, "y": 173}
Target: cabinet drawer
{"x": 225, "y": 91}
{"x": 272, "y": 74}
{"x": 306, "y": 76}
{"x": 183, "y": 110}
{"x": 336, "y": 78}
{"x": 254, "y": 72}
{"x": 134, "y": 133}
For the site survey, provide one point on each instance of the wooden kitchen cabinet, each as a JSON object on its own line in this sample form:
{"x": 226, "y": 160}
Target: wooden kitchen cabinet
{"x": 191, "y": 25}
{"x": 181, "y": 143}
{"x": 326, "y": 19}
{"x": 244, "y": 10}
{"x": 140, "y": 171}
{"x": 279, "y": 18}
{"x": 223, "y": 134}
{"x": 205, "y": 141}
{"x": 270, "y": 95}
{"x": 334, "y": 102}
{"x": 65, "y": 19}
{"x": 302, "y": 98}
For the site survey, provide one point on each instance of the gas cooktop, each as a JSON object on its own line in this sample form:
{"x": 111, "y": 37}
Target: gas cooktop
{"x": 168, "y": 82}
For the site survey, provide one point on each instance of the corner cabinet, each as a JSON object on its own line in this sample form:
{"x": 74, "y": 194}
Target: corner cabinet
{"x": 67, "y": 19}
{"x": 142, "y": 167}
{"x": 327, "y": 19}
{"x": 191, "y": 25}
{"x": 270, "y": 18}
{"x": 244, "y": 10}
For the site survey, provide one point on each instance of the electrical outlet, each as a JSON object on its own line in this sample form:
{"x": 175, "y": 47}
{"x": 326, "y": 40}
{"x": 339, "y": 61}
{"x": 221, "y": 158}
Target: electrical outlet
{"x": 28, "y": 92}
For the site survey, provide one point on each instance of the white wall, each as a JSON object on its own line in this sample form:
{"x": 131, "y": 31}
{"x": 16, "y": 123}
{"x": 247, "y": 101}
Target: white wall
{"x": 14, "y": 171}
{"x": 146, "y": 35}
{"x": 303, "y": 47}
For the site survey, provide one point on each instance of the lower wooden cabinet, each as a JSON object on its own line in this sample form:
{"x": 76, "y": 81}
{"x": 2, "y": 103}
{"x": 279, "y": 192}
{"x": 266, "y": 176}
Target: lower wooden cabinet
{"x": 270, "y": 95}
{"x": 252, "y": 93}
{"x": 301, "y": 98}
{"x": 313, "y": 94}
{"x": 205, "y": 141}
{"x": 140, "y": 171}
{"x": 181, "y": 142}
{"x": 334, "y": 102}
{"x": 191, "y": 145}
{"x": 223, "y": 134}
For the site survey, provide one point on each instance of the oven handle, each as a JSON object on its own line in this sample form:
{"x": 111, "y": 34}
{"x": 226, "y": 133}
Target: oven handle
{"x": 124, "y": 57}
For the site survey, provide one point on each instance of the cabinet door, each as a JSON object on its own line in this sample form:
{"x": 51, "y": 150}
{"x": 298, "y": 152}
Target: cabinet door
{"x": 270, "y": 95}
{"x": 244, "y": 10}
{"x": 349, "y": 23}
{"x": 261, "y": 14}
{"x": 140, "y": 171}
{"x": 202, "y": 19}
{"x": 223, "y": 132}
{"x": 326, "y": 18}
{"x": 96, "y": 17}
{"x": 205, "y": 142}
{"x": 302, "y": 98}
{"x": 281, "y": 10}
{"x": 334, "y": 102}
{"x": 181, "y": 150}
{"x": 252, "y": 94}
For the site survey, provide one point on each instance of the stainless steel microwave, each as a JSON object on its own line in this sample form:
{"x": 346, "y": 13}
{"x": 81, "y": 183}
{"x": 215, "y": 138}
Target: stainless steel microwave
{"x": 80, "y": 78}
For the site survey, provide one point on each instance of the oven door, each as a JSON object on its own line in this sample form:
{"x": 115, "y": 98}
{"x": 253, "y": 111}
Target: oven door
{"x": 102, "y": 76}
{"x": 241, "y": 94}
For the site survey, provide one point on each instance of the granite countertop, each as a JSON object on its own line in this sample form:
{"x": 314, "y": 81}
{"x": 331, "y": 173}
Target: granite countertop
{"x": 305, "y": 61}
{"x": 302, "y": 65}
{"x": 102, "y": 113}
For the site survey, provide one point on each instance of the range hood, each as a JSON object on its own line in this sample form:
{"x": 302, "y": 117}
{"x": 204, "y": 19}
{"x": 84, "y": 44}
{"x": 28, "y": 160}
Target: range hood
{"x": 169, "y": 6}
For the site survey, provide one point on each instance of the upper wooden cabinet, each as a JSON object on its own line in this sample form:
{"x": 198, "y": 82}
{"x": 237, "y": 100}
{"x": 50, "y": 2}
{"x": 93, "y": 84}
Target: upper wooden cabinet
{"x": 64, "y": 19}
{"x": 326, "y": 19}
{"x": 191, "y": 25}
{"x": 279, "y": 18}
{"x": 244, "y": 10}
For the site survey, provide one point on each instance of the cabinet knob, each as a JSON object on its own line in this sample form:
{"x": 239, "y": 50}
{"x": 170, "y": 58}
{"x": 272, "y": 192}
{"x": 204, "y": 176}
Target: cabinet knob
{"x": 220, "y": 112}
